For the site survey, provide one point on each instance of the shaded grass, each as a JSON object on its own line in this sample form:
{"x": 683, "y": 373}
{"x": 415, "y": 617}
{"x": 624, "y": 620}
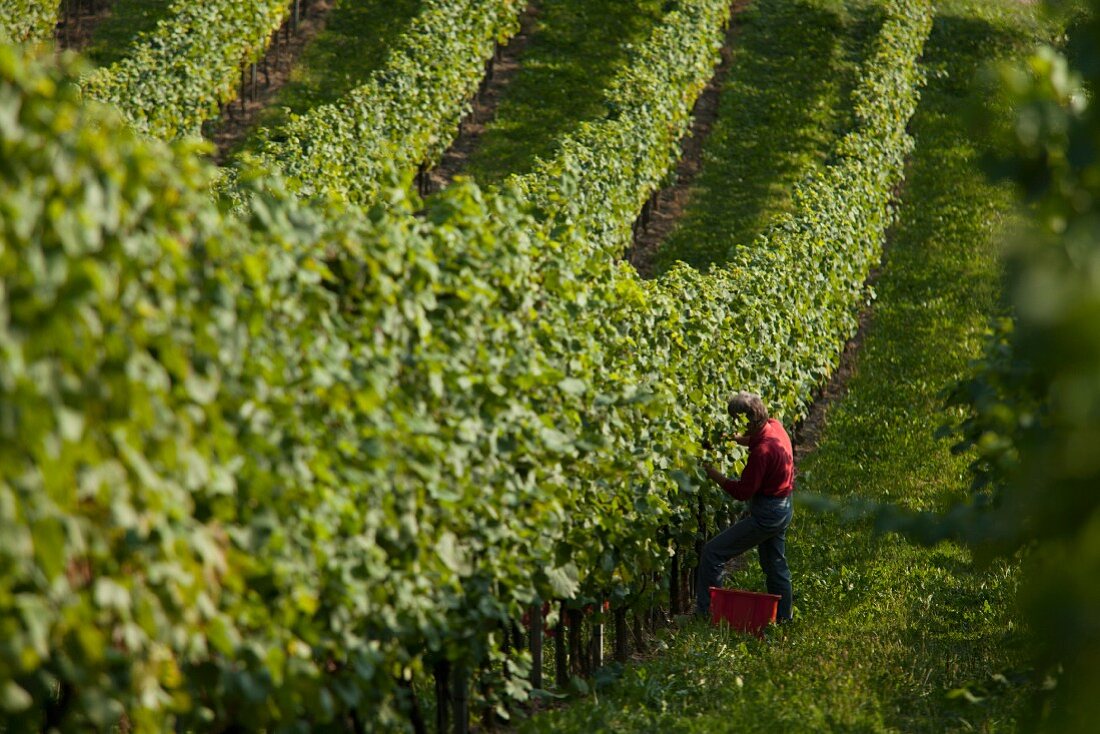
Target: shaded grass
{"x": 353, "y": 44}
{"x": 781, "y": 108}
{"x": 576, "y": 49}
{"x": 888, "y": 635}
{"x": 115, "y": 37}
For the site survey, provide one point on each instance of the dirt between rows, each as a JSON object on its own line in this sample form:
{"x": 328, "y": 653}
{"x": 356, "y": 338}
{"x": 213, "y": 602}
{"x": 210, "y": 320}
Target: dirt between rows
{"x": 240, "y": 117}
{"x": 77, "y": 22}
{"x": 506, "y": 65}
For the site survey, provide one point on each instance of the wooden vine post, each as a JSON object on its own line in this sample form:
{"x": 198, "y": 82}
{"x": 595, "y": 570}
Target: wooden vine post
{"x": 442, "y": 674}
{"x": 415, "y": 718}
{"x": 422, "y": 180}
{"x": 576, "y": 659}
{"x": 535, "y": 638}
{"x": 561, "y": 658}
{"x": 700, "y": 540}
{"x": 674, "y": 602}
{"x": 639, "y": 639}
{"x": 460, "y": 699}
{"x": 620, "y": 634}
{"x": 655, "y": 608}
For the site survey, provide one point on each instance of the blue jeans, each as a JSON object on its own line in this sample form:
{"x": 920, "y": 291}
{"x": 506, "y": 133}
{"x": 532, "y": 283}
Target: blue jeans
{"x": 765, "y": 529}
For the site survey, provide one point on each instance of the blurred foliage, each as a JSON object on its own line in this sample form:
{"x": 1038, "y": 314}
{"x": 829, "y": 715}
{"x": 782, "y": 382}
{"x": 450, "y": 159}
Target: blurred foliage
{"x": 1041, "y": 435}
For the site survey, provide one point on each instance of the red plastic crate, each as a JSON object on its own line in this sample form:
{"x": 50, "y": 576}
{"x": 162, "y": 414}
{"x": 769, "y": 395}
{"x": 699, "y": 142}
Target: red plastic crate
{"x": 747, "y": 611}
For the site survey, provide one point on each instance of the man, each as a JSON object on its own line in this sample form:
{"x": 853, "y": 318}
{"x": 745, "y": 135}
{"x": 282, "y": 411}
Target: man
{"x": 766, "y": 484}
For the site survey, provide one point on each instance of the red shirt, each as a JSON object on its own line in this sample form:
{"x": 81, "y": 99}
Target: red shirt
{"x": 770, "y": 469}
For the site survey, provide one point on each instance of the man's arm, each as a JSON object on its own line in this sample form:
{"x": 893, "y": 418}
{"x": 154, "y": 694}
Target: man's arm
{"x": 739, "y": 438}
{"x": 744, "y": 488}
{"x": 715, "y": 476}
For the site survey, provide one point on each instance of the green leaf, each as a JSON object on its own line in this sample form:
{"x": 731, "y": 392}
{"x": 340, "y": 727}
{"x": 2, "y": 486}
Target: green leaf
{"x": 563, "y": 580}
{"x": 556, "y": 441}
{"x": 572, "y": 386}
{"x": 14, "y": 699}
{"x": 451, "y": 553}
{"x": 48, "y": 535}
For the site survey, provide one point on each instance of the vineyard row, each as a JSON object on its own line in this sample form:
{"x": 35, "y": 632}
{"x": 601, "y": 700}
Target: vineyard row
{"x": 267, "y": 469}
{"x": 406, "y": 115}
{"x": 28, "y": 20}
{"x": 190, "y": 65}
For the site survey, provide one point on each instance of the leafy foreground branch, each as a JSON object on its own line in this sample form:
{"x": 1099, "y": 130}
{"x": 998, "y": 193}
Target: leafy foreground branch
{"x": 1034, "y": 405}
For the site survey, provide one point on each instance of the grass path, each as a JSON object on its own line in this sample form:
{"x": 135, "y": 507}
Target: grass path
{"x": 577, "y": 47}
{"x": 113, "y": 38}
{"x": 886, "y": 630}
{"x": 356, "y": 37}
{"x": 782, "y": 107}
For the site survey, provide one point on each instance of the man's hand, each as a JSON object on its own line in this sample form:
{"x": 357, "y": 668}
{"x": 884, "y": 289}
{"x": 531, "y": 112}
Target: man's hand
{"x": 714, "y": 440}
{"x": 741, "y": 439}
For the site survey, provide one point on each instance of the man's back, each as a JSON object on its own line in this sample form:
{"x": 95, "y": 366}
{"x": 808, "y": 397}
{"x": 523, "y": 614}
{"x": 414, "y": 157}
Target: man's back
{"x": 776, "y": 458}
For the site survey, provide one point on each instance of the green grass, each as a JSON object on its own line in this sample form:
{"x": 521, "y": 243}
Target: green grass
{"x": 114, "y": 38}
{"x": 781, "y": 108}
{"x": 576, "y": 49}
{"x": 885, "y": 630}
{"x": 354, "y": 43}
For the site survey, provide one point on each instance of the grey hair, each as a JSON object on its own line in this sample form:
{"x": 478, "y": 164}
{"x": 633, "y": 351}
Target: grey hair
{"x": 751, "y": 405}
